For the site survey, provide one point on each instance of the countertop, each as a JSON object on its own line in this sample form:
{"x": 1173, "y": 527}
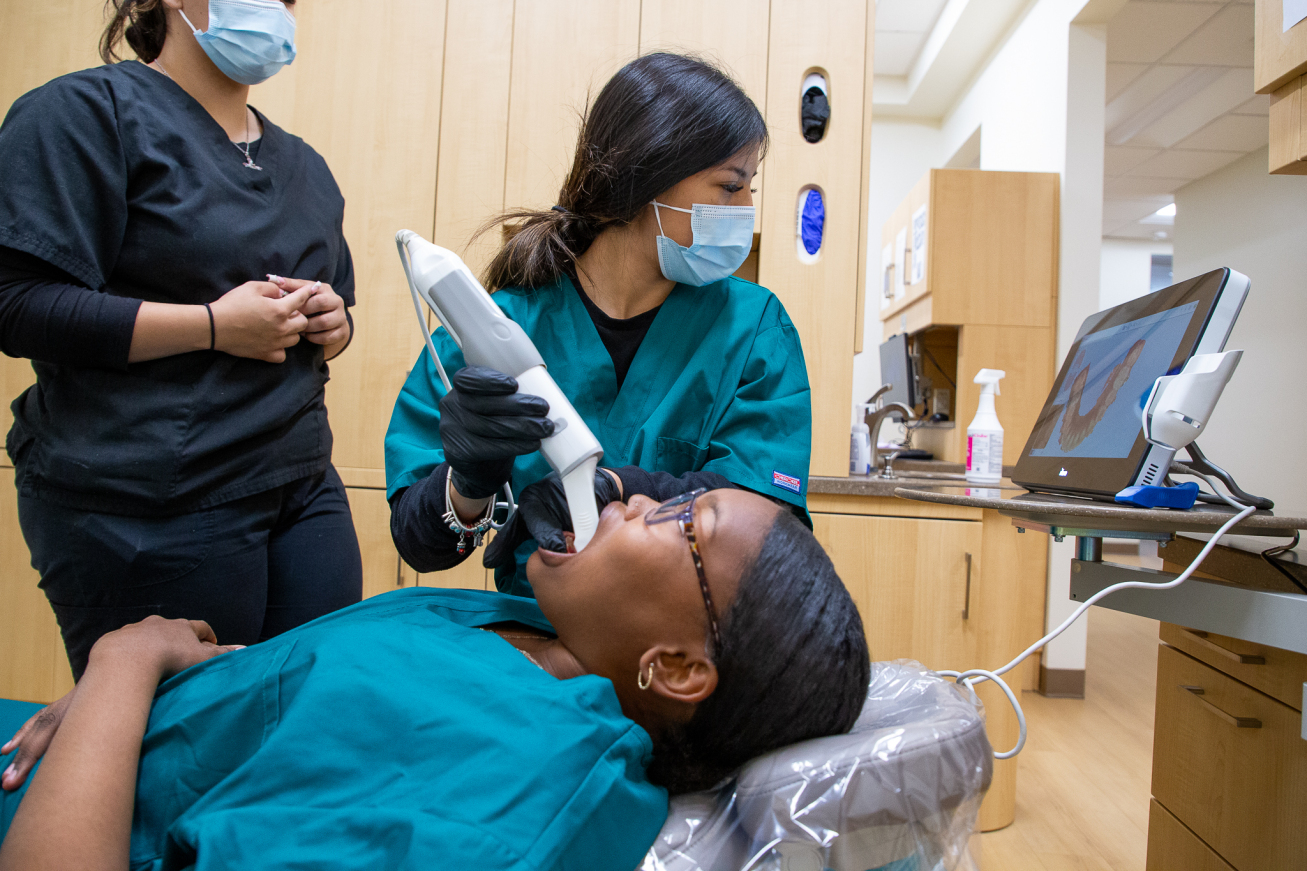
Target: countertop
{"x": 907, "y": 473}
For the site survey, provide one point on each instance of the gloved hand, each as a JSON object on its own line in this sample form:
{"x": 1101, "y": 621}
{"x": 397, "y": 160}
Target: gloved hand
{"x": 542, "y": 514}
{"x": 485, "y": 425}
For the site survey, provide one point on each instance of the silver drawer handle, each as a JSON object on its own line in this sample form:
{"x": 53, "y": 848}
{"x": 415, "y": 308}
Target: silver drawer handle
{"x": 966, "y": 604}
{"x": 1237, "y": 722}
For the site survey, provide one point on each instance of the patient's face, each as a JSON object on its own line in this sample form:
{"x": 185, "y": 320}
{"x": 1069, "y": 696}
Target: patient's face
{"x": 635, "y": 584}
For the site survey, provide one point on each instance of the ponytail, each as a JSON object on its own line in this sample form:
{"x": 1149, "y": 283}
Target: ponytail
{"x": 144, "y": 23}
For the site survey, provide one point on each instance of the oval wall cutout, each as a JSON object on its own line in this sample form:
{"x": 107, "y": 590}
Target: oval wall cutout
{"x": 811, "y": 225}
{"x": 814, "y": 106}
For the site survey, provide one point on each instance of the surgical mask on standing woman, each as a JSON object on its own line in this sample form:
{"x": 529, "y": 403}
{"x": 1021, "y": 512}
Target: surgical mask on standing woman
{"x": 249, "y": 40}
{"x": 723, "y": 236}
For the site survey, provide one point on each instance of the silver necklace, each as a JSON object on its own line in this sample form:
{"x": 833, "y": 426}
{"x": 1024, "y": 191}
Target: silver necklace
{"x": 242, "y": 147}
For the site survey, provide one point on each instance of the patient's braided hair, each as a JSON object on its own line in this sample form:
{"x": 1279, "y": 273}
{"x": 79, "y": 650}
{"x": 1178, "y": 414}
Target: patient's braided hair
{"x": 793, "y": 665}
{"x": 659, "y": 120}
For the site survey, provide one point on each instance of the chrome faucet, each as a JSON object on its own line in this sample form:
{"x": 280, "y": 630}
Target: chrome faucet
{"x": 875, "y": 418}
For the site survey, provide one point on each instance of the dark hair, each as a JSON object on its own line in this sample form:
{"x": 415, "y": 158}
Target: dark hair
{"x": 143, "y": 22}
{"x": 659, "y": 120}
{"x": 793, "y": 665}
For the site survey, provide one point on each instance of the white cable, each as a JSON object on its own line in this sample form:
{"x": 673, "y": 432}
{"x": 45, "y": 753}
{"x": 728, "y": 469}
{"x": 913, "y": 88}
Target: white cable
{"x": 970, "y": 677}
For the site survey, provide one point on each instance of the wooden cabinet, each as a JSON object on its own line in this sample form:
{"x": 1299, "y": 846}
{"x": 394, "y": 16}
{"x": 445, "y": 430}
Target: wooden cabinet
{"x": 1279, "y": 65}
{"x": 1288, "y": 152}
{"x": 1279, "y": 54}
{"x": 969, "y": 270}
{"x": 952, "y": 588}
{"x": 1229, "y": 759}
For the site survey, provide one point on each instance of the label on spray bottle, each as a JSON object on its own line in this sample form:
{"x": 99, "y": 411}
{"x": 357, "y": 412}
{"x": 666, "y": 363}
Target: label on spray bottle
{"x": 985, "y": 456}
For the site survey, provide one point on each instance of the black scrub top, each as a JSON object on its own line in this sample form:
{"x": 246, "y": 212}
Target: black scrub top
{"x": 121, "y": 179}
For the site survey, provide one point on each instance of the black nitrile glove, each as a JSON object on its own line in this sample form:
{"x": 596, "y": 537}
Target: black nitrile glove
{"x": 485, "y": 425}
{"x": 542, "y": 514}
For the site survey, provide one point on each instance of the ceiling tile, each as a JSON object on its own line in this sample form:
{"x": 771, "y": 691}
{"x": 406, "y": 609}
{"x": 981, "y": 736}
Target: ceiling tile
{"x": 1132, "y": 186}
{"x": 1226, "y": 39}
{"x": 896, "y": 51}
{"x": 1143, "y": 91}
{"x": 1228, "y": 90}
{"x": 1230, "y": 133}
{"x": 908, "y": 15}
{"x": 1258, "y": 105}
{"x": 1143, "y": 32}
{"x": 1118, "y": 159}
{"x": 1120, "y": 75}
{"x": 1179, "y": 163}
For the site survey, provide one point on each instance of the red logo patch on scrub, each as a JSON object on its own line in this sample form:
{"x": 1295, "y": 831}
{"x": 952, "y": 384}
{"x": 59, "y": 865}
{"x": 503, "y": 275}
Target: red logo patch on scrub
{"x": 786, "y": 482}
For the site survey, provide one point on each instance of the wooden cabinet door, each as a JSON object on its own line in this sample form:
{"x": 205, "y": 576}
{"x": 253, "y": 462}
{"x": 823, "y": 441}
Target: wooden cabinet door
{"x": 909, "y": 578}
{"x": 33, "y": 665}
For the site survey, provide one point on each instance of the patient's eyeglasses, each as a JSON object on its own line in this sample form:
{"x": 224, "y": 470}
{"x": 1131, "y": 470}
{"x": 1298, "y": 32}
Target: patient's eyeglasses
{"x": 681, "y": 509}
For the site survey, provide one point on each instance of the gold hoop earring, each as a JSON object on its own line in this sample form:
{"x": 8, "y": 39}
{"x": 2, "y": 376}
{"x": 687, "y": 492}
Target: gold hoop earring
{"x": 641, "y": 682}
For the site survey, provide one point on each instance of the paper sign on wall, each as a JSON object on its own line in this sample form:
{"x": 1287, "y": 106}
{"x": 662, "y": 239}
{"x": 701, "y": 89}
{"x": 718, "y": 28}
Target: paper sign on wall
{"x": 918, "y": 245}
{"x": 886, "y": 275}
{"x": 900, "y": 249}
{"x": 1294, "y": 12}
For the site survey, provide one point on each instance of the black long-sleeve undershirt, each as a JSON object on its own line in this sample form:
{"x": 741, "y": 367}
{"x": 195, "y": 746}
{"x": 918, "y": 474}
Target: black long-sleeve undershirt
{"x": 428, "y": 545}
{"x": 47, "y": 315}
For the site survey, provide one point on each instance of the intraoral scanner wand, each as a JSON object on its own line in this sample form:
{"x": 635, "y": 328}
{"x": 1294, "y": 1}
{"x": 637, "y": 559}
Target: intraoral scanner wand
{"x": 488, "y": 337}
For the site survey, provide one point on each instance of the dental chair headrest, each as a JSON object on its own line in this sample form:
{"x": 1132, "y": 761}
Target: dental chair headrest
{"x": 905, "y": 781}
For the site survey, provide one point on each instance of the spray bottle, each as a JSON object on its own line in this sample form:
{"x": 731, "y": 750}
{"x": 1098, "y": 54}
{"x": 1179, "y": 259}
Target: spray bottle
{"x": 860, "y": 441}
{"x": 487, "y": 337}
{"x": 985, "y": 435}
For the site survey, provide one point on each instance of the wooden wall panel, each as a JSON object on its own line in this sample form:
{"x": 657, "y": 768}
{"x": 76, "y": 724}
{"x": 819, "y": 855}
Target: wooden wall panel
{"x": 730, "y": 33}
{"x": 33, "y": 666}
{"x": 474, "y": 141}
{"x": 563, "y": 53}
{"x": 377, "y": 125}
{"x": 381, "y": 572}
{"x": 820, "y": 297}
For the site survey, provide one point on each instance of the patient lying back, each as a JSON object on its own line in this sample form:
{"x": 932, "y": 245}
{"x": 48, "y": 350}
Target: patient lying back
{"x": 402, "y": 733}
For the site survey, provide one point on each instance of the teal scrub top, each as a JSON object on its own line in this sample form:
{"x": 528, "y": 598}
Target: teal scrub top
{"x": 392, "y": 734}
{"x": 719, "y": 384}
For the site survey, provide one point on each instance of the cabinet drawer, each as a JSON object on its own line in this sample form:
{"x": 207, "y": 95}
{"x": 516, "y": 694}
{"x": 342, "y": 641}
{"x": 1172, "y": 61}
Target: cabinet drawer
{"x": 1172, "y": 847}
{"x": 1278, "y": 673}
{"x": 1230, "y": 763}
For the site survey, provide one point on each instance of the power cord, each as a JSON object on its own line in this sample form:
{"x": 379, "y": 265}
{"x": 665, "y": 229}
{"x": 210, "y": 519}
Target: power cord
{"x": 975, "y": 676}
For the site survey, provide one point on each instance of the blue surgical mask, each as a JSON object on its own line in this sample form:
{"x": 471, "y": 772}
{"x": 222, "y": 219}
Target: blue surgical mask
{"x": 723, "y": 236}
{"x": 249, "y": 40}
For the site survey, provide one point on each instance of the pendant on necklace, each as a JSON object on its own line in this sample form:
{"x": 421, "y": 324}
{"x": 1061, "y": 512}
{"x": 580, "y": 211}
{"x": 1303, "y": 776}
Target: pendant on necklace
{"x": 250, "y": 164}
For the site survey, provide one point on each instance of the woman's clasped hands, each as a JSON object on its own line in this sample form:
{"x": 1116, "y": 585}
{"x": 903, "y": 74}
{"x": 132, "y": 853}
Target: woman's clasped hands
{"x": 261, "y": 319}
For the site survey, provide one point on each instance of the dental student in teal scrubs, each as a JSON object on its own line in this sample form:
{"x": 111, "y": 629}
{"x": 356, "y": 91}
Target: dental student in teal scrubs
{"x": 688, "y": 376}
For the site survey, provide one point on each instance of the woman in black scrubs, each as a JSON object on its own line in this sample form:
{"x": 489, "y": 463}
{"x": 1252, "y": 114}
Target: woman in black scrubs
{"x": 173, "y": 456}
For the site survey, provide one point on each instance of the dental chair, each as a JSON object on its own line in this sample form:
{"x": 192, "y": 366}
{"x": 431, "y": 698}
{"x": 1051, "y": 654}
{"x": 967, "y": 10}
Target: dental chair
{"x": 899, "y": 792}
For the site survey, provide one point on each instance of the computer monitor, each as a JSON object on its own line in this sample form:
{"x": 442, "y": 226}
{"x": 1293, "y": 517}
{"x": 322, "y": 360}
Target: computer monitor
{"x": 896, "y": 370}
{"x": 1088, "y": 439}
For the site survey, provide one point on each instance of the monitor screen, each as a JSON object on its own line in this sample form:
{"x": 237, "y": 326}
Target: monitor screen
{"x": 896, "y": 370}
{"x": 1097, "y": 413}
{"x": 1088, "y": 439}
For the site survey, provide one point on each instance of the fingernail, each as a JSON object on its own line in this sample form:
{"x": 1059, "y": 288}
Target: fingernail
{"x": 235, "y": 646}
{"x": 275, "y": 279}
{"x": 8, "y": 771}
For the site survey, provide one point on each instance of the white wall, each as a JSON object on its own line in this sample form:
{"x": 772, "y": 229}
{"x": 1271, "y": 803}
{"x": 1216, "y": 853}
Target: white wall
{"x": 1256, "y": 223}
{"x": 902, "y": 151}
{"x": 1126, "y": 271}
